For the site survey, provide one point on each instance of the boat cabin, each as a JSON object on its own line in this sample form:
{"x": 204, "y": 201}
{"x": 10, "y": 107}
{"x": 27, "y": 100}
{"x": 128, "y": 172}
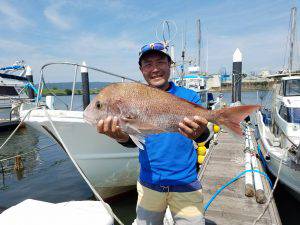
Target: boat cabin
{"x": 289, "y": 90}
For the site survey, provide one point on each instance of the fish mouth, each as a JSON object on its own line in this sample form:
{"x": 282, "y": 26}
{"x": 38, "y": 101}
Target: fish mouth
{"x": 89, "y": 120}
{"x": 92, "y": 123}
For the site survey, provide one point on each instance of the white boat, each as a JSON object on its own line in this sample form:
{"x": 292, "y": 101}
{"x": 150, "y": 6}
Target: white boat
{"x": 279, "y": 127}
{"x": 280, "y": 135}
{"x": 12, "y": 93}
{"x": 193, "y": 81}
{"x": 111, "y": 168}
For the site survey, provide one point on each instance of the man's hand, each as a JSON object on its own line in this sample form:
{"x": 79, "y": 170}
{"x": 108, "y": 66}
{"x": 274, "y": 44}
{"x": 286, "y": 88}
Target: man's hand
{"x": 110, "y": 127}
{"x": 192, "y": 128}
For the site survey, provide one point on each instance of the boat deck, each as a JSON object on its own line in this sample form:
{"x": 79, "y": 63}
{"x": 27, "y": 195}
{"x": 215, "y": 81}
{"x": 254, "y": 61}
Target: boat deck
{"x": 225, "y": 161}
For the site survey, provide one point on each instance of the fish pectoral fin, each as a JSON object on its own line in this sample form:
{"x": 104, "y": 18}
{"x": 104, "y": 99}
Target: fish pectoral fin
{"x": 128, "y": 118}
{"x": 139, "y": 141}
{"x": 132, "y": 129}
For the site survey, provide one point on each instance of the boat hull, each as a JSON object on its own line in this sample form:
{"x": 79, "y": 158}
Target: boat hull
{"x": 289, "y": 173}
{"x": 110, "y": 167}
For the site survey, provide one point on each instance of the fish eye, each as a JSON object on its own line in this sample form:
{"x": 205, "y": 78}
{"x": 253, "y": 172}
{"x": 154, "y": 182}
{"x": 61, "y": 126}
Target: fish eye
{"x": 98, "y": 105}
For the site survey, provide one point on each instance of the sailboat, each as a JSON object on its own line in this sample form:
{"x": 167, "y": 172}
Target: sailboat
{"x": 191, "y": 77}
{"x": 279, "y": 127}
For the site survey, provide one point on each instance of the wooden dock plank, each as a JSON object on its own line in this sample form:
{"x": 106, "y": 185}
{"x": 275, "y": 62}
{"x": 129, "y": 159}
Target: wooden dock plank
{"x": 231, "y": 206}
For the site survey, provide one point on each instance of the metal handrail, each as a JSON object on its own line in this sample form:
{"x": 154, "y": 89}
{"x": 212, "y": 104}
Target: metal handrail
{"x": 42, "y": 82}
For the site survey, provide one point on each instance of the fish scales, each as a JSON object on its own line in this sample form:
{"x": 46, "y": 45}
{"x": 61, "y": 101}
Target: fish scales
{"x": 145, "y": 109}
{"x": 152, "y": 105}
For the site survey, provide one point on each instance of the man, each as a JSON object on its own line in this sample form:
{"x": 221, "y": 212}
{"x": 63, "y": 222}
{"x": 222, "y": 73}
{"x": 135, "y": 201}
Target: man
{"x": 168, "y": 175}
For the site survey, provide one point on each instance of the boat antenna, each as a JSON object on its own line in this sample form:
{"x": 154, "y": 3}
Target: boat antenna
{"x": 165, "y": 32}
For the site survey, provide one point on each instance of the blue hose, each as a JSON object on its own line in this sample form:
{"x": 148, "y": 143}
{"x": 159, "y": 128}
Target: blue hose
{"x": 233, "y": 180}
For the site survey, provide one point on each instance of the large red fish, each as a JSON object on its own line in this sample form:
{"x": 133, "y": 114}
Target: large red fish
{"x": 145, "y": 110}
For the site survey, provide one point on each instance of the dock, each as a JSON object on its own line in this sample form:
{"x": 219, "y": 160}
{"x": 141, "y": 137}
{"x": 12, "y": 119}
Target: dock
{"x": 224, "y": 161}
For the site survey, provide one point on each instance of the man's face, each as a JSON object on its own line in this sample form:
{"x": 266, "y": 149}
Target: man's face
{"x": 155, "y": 68}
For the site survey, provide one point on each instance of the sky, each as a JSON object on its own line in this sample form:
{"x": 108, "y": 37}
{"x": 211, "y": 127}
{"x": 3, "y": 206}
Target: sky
{"x": 108, "y": 34}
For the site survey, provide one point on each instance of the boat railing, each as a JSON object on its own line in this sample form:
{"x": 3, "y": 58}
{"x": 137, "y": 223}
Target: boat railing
{"x": 43, "y": 84}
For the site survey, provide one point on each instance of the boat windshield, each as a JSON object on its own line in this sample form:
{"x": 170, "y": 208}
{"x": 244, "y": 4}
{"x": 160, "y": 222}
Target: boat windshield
{"x": 292, "y": 87}
{"x": 291, "y": 115}
{"x": 294, "y": 115}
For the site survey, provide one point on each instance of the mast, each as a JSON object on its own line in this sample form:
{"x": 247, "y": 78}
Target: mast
{"x": 172, "y": 54}
{"x": 199, "y": 41}
{"x": 183, "y": 50}
{"x": 292, "y": 37}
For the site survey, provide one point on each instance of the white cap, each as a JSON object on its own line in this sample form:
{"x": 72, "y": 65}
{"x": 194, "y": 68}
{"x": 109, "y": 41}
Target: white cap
{"x": 237, "y": 56}
{"x": 84, "y": 69}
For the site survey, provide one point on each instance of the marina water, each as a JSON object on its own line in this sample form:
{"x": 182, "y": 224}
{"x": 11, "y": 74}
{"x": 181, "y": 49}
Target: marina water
{"x": 49, "y": 175}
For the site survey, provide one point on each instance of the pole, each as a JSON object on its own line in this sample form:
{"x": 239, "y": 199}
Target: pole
{"x": 85, "y": 86}
{"x": 236, "y": 76}
{"x": 172, "y": 54}
{"x": 199, "y": 41}
{"x": 30, "y": 79}
{"x": 292, "y": 37}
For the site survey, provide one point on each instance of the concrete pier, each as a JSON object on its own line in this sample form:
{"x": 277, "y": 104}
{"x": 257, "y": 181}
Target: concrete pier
{"x": 225, "y": 161}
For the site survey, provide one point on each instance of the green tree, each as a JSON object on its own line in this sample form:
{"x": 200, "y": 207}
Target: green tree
{"x": 68, "y": 91}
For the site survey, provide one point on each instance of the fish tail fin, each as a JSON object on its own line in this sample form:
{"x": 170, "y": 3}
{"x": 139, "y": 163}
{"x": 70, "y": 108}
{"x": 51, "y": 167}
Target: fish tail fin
{"x": 231, "y": 117}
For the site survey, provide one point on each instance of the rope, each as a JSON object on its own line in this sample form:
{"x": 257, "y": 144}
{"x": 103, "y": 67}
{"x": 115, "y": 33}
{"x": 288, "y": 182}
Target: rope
{"x": 232, "y": 181}
{"x": 80, "y": 171}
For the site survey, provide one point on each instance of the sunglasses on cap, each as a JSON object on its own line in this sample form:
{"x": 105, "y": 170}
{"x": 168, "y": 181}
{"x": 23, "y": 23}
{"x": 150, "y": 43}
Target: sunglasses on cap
{"x": 152, "y": 46}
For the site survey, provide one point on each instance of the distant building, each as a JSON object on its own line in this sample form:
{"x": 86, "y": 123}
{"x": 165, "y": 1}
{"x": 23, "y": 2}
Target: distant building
{"x": 214, "y": 81}
{"x": 265, "y": 73}
{"x": 225, "y": 78}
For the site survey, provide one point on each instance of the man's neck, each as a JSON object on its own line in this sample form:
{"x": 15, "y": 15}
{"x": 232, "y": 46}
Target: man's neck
{"x": 166, "y": 87}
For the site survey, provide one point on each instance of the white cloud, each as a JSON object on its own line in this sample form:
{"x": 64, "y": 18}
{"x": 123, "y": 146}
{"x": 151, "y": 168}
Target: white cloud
{"x": 12, "y": 16}
{"x": 54, "y": 15}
